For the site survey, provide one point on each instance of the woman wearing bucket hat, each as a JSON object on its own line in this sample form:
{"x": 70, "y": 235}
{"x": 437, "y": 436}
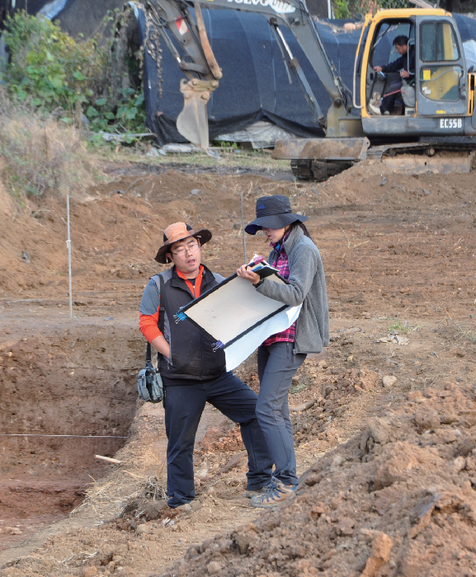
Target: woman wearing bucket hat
{"x": 298, "y": 261}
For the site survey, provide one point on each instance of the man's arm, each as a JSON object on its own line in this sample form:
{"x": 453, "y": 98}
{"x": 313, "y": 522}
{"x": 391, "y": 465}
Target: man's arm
{"x": 394, "y": 66}
{"x": 161, "y": 346}
{"x": 149, "y": 317}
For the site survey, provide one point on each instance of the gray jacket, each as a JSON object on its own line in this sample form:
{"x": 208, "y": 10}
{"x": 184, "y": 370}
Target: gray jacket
{"x": 307, "y": 285}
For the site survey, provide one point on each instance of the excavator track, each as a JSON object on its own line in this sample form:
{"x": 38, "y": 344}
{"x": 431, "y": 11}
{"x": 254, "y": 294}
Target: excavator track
{"x": 318, "y": 170}
{"x": 428, "y": 146}
{"x": 442, "y": 156}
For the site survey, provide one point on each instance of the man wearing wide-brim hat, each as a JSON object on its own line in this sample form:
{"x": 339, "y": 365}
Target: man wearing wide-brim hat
{"x": 192, "y": 371}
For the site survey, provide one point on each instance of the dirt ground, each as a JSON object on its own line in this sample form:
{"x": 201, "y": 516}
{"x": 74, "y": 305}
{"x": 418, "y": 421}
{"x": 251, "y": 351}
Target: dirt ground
{"x": 384, "y": 419}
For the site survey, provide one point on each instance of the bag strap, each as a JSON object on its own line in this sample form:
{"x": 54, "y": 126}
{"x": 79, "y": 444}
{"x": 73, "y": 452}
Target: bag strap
{"x": 161, "y": 311}
{"x": 148, "y": 356}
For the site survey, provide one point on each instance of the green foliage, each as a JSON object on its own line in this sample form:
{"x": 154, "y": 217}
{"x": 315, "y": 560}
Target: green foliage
{"x": 387, "y": 4}
{"x": 402, "y": 327}
{"x": 49, "y": 70}
{"x": 129, "y": 111}
{"x": 344, "y": 9}
{"x": 225, "y": 145}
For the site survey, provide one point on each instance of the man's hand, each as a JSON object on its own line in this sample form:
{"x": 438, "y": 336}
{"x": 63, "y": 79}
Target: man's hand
{"x": 245, "y": 272}
{"x": 405, "y": 74}
{"x": 377, "y": 68}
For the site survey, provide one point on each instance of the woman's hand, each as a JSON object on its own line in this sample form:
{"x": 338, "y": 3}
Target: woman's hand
{"x": 245, "y": 272}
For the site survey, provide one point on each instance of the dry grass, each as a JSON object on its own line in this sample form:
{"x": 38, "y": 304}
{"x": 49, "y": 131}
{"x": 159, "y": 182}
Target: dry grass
{"x": 109, "y": 497}
{"x": 6, "y": 202}
{"x": 40, "y": 156}
{"x": 142, "y": 475}
{"x": 219, "y": 158}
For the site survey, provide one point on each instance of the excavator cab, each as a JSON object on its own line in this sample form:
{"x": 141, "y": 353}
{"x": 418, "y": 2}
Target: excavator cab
{"x": 438, "y": 99}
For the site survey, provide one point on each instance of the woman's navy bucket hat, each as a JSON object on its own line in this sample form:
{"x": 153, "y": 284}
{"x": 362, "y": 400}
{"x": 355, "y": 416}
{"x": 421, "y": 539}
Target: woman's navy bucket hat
{"x": 273, "y": 212}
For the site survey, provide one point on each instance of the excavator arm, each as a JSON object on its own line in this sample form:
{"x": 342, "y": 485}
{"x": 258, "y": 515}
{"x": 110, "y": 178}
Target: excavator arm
{"x": 197, "y": 61}
{"x": 195, "y": 58}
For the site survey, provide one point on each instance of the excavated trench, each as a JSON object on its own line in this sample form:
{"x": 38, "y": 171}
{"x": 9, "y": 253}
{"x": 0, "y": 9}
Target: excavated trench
{"x": 68, "y": 393}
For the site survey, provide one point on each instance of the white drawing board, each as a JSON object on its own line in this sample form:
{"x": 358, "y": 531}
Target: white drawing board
{"x": 232, "y": 308}
{"x": 243, "y": 347}
{"x": 239, "y": 317}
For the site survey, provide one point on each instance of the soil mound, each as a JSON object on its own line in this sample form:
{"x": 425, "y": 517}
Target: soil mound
{"x": 398, "y": 499}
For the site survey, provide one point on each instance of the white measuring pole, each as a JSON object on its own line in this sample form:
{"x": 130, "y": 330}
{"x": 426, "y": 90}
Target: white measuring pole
{"x": 68, "y": 242}
{"x": 243, "y": 228}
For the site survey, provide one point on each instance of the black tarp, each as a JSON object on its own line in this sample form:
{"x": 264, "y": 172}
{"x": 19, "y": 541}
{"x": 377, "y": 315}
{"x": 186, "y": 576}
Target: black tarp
{"x": 255, "y": 84}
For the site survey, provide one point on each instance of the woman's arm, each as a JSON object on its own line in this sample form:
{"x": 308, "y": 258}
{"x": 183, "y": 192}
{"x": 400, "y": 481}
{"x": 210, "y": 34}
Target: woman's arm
{"x": 303, "y": 265}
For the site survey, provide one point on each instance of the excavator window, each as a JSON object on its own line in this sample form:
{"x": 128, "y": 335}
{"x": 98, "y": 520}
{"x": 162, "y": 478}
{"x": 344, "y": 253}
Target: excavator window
{"x": 383, "y": 50}
{"x": 438, "y": 42}
{"x": 439, "y": 80}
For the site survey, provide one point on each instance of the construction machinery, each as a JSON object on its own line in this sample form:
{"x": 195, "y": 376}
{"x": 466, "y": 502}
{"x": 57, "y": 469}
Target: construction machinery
{"x": 435, "y": 132}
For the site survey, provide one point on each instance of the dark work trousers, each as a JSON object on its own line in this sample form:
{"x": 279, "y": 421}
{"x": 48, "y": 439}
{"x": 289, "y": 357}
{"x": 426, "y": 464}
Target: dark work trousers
{"x": 184, "y": 403}
{"x": 394, "y": 97}
{"x": 277, "y": 364}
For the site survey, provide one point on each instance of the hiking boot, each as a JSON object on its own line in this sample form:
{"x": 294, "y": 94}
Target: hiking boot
{"x": 250, "y": 493}
{"x": 274, "y": 494}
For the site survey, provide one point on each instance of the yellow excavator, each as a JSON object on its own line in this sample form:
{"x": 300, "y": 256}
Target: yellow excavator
{"x": 434, "y": 130}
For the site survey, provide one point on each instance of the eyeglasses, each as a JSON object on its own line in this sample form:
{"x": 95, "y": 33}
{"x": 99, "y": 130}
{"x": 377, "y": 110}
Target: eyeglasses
{"x": 191, "y": 246}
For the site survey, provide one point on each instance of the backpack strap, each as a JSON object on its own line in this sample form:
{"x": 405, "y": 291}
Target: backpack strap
{"x": 148, "y": 356}
{"x": 159, "y": 281}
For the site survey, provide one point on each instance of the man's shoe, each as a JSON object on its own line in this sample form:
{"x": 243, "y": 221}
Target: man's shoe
{"x": 374, "y": 109}
{"x": 275, "y": 494}
{"x": 250, "y": 493}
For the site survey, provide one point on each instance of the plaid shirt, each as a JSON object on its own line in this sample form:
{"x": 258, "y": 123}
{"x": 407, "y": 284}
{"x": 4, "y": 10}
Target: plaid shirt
{"x": 287, "y": 336}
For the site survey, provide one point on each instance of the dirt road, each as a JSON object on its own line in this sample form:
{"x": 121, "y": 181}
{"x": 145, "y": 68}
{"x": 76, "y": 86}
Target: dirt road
{"x": 385, "y": 420}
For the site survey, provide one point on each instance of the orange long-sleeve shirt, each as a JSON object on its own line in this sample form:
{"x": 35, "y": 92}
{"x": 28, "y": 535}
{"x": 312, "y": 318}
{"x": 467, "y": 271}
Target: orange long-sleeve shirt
{"x": 148, "y": 324}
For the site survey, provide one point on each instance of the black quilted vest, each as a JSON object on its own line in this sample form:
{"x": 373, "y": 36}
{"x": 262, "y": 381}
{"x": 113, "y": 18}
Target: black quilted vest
{"x": 192, "y": 350}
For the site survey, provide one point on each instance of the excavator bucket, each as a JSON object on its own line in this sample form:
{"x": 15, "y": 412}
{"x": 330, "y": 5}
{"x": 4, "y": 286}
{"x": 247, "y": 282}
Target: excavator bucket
{"x": 192, "y": 122}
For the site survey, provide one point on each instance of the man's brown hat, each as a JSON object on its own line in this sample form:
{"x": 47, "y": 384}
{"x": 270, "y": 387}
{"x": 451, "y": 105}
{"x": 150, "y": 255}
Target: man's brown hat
{"x": 179, "y": 231}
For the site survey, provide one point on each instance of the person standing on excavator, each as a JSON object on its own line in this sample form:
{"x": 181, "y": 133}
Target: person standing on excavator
{"x": 392, "y": 101}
